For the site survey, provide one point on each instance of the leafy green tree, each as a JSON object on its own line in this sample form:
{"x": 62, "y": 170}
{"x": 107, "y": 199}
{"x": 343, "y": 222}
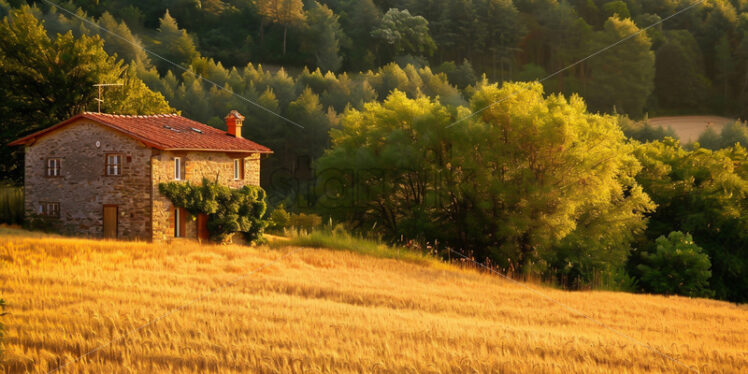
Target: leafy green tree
{"x": 621, "y": 77}
{"x": 283, "y": 12}
{"x": 680, "y": 80}
{"x": 279, "y": 218}
{"x": 323, "y": 37}
{"x": 173, "y": 44}
{"x": 704, "y": 193}
{"x": 529, "y": 175}
{"x": 46, "y": 81}
{"x": 616, "y": 8}
{"x": 643, "y": 131}
{"x": 362, "y": 17}
{"x": 552, "y": 179}
{"x": 501, "y": 30}
{"x": 130, "y": 50}
{"x": 402, "y": 33}
{"x": 678, "y": 266}
{"x": 731, "y": 134}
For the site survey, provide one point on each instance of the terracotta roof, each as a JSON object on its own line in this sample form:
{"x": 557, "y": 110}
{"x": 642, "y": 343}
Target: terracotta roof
{"x": 162, "y": 131}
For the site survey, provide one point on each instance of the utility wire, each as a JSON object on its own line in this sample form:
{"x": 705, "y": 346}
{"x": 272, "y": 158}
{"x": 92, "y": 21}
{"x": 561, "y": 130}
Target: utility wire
{"x": 578, "y": 61}
{"x": 174, "y": 64}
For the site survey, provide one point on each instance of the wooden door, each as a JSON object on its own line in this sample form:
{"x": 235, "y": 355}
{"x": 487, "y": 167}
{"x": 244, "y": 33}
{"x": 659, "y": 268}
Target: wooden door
{"x": 202, "y": 227}
{"x": 110, "y": 221}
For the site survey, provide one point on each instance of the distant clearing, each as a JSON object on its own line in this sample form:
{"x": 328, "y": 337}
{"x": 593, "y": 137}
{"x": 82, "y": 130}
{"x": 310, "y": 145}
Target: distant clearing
{"x": 689, "y": 128}
{"x": 320, "y": 311}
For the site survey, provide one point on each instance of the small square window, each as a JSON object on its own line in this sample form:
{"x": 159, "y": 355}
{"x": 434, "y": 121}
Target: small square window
{"x": 113, "y": 164}
{"x": 49, "y": 209}
{"x": 53, "y": 167}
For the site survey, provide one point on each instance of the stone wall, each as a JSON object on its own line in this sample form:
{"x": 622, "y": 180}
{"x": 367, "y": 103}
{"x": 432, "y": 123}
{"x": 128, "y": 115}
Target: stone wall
{"x": 83, "y": 188}
{"x": 197, "y": 165}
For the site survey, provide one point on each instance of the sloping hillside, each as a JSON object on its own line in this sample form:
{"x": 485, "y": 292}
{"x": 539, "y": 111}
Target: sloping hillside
{"x": 309, "y": 310}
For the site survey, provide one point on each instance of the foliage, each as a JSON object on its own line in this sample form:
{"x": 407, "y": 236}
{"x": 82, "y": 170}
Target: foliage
{"x": 304, "y": 221}
{"x": 403, "y": 34}
{"x": 643, "y": 131}
{"x": 529, "y": 175}
{"x": 680, "y": 80}
{"x": 678, "y": 266}
{"x": 622, "y": 78}
{"x": 46, "y": 80}
{"x": 731, "y": 134}
{"x": 324, "y": 37}
{"x": 283, "y": 12}
{"x": 497, "y": 37}
{"x": 279, "y": 219}
{"x": 704, "y": 193}
{"x": 228, "y": 210}
{"x": 174, "y": 44}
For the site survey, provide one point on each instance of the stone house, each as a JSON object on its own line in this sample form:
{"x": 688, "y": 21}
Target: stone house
{"x": 97, "y": 174}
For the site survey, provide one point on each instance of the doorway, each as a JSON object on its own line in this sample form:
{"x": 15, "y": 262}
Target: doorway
{"x": 110, "y": 221}
{"x": 202, "y": 227}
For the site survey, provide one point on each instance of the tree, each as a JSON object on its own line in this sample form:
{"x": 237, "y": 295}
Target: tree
{"x": 530, "y": 174}
{"x": 46, "y": 81}
{"x": 704, "y": 193}
{"x": 731, "y": 134}
{"x": 283, "y": 12}
{"x": 361, "y": 20}
{"x": 678, "y": 266}
{"x": 621, "y": 77}
{"x": 501, "y": 31}
{"x": 173, "y": 44}
{"x": 130, "y": 50}
{"x": 403, "y": 33}
{"x": 680, "y": 81}
{"x": 616, "y": 8}
{"x": 323, "y": 37}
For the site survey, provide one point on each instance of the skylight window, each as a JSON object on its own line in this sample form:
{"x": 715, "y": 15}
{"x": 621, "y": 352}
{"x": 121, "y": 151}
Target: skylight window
{"x": 196, "y": 130}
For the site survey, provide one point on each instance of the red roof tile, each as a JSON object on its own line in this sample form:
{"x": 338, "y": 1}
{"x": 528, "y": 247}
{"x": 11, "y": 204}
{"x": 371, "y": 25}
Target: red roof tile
{"x": 170, "y": 132}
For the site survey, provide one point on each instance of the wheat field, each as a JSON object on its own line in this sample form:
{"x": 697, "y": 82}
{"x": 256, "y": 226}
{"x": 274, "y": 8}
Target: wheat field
{"x": 321, "y": 311}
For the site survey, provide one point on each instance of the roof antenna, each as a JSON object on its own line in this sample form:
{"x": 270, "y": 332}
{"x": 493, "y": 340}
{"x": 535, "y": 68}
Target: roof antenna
{"x": 100, "y": 85}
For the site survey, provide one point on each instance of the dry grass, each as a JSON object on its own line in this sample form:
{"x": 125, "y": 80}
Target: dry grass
{"x": 329, "y": 311}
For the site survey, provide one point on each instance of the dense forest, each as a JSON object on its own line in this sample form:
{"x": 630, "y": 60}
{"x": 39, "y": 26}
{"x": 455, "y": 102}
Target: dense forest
{"x": 558, "y": 178}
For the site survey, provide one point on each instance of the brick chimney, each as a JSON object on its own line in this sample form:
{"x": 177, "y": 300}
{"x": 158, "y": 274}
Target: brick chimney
{"x": 234, "y": 123}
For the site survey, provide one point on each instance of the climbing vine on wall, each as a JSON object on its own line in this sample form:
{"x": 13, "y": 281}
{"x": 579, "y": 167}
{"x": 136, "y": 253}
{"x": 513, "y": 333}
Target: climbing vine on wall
{"x": 228, "y": 210}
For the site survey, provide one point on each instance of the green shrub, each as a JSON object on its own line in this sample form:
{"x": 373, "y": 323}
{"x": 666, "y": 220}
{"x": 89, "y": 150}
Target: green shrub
{"x": 732, "y": 133}
{"x": 307, "y": 222}
{"x": 678, "y": 266}
{"x": 279, "y": 218}
{"x": 228, "y": 210}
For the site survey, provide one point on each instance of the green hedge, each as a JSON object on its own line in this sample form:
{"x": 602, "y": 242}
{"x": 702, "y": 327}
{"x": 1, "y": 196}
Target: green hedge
{"x": 228, "y": 210}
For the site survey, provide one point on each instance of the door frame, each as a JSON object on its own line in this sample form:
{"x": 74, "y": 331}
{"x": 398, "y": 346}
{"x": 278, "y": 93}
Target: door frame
{"x": 116, "y": 219}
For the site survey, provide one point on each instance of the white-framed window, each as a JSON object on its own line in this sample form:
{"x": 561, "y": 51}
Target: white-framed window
{"x": 49, "y": 209}
{"x": 177, "y": 168}
{"x": 53, "y": 167}
{"x": 113, "y": 164}
{"x": 237, "y": 169}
